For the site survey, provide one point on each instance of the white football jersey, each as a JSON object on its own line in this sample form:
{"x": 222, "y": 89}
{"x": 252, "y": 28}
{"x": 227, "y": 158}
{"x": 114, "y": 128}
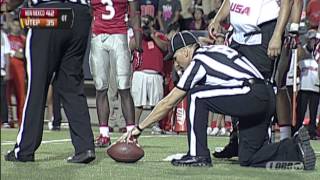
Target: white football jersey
{"x": 309, "y": 75}
{"x": 245, "y": 16}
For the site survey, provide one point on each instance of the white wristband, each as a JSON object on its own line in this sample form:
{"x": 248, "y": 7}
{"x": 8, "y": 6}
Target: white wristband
{"x": 294, "y": 27}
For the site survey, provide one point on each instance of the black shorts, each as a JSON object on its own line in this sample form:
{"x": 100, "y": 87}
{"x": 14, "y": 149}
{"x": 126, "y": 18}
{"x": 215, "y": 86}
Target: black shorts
{"x": 257, "y": 54}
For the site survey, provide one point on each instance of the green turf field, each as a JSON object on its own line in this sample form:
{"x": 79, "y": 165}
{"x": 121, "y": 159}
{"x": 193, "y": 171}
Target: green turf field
{"x": 50, "y": 163}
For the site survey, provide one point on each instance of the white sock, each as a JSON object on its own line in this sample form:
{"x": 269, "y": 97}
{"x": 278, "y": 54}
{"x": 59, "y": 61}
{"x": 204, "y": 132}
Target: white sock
{"x": 285, "y": 132}
{"x": 130, "y": 127}
{"x": 104, "y": 130}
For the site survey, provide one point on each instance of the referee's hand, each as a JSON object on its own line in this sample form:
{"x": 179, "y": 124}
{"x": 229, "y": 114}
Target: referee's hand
{"x": 274, "y": 47}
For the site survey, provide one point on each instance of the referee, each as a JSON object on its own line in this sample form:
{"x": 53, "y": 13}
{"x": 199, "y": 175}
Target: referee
{"x": 216, "y": 78}
{"x": 60, "y": 51}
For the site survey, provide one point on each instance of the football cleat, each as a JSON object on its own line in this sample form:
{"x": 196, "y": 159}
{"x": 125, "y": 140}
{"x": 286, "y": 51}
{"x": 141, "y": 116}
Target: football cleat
{"x": 102, "y": 141}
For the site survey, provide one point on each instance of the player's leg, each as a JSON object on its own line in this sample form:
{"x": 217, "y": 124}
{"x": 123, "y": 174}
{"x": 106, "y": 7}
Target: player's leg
{"x": 137, "y": 113}
{"x": 139, "y": 93}
{"x": 313, "y": 109}
{"x": 301, "y": 108}
{"x": 290, "y": 91}
{"x": 282, "y": 97}
{"x": 283, "y": 113}
{"x": 154, "y": 95}
{"x": 223, "y": 130}
{"x": 127, "y": 108}
{"x": 210, "y": 121}
{"x": 100, "y": 69}
{"x": 120, "y": 56}
{"x": 215, "y": 130}
{"x": 103, "y": 109}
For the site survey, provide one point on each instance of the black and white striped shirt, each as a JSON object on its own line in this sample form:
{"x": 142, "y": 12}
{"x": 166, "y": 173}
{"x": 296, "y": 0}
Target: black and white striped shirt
{"x": 83, "y": 2}
{"x": 217, "y": 65}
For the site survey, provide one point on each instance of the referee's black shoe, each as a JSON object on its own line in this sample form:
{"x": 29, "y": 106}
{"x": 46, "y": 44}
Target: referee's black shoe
{"x": 230, "y": 150}
{"x": 194, "y": 161}
{"x": 10, "y": 156}
{"x": 302, "y": 139}
{"x": 84, "y": 157}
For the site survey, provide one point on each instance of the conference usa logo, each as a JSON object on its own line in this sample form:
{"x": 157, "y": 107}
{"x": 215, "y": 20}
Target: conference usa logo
{"x": 239, "y": 8}
{"x": 284, "y": 165}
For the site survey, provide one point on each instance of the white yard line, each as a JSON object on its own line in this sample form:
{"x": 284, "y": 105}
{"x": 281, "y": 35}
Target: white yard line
{"x": 43, "y": 142}
{"x": 4, "y": 143}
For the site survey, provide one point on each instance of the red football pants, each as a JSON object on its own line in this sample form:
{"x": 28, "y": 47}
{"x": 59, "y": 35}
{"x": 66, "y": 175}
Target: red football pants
{"x": 16, "y": 86}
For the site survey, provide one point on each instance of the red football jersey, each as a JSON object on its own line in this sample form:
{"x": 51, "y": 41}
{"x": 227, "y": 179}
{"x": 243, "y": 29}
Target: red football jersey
{"x": 110, "y": 16}
{"x": 16, "y": 42}
{"x": 152, "y": 56}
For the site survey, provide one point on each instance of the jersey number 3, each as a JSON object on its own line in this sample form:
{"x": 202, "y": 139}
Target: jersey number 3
{"x": 109, "y": 8}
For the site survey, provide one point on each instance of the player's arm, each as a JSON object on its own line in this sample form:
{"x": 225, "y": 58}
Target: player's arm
{"x": 205, "y": 40}
{"x": 162, "y": 44}
{"x": 132, "y": 44}
{"x": 6, "y": 52}
{"x": 10, "y": 5}
{"x": 224, "y": 11}
{"x": 136, "y": 23}
{"x": 159, "y": 18}
{"x": 296, "y": 11}
{"x": 274, "y": 46}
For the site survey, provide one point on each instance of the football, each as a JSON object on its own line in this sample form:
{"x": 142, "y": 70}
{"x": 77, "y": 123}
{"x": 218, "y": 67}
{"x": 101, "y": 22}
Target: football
{"x": 125, "y": 152}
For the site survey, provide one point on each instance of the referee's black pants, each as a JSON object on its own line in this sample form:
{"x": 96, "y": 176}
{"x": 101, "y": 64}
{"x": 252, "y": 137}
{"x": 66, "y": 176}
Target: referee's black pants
{"x": 60, "y": 51}
{"x": 254, "y": 106}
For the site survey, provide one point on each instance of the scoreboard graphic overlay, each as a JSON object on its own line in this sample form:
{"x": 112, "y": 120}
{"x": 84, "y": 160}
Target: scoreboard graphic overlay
{"x": 56, "y": 18}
